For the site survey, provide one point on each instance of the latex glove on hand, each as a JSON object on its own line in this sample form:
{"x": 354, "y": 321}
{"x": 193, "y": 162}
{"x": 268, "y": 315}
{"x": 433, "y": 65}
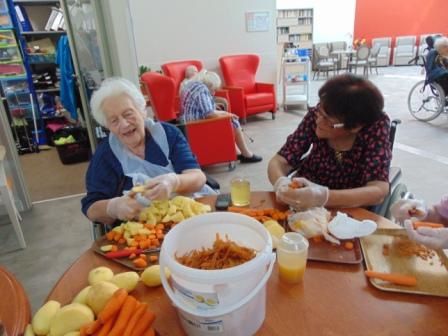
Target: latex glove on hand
{"x": 407, "y": 209}
{"x": 432, "y": 238}
{"x": 161, "y": 187}
{"x": 123, "y": 208}
{"x": 308, "y": 196}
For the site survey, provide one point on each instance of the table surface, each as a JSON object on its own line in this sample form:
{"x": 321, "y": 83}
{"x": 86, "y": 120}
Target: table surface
{"x": 15, "y": 311}
{"x": 334, "y": 299}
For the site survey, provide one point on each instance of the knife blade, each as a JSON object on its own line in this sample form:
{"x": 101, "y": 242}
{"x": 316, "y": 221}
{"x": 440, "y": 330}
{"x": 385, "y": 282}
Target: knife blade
{"x": 127, "y": 253}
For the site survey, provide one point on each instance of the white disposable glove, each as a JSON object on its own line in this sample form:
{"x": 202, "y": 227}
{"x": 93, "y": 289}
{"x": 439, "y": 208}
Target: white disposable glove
{"x": 433, "y": 238}
{"x": 407, "y": 209}
{"x": 309, "y": 196}
{"x": 161, "y": 187}
{"x": 124, "y": 208}
{"x": 281, "y": 182}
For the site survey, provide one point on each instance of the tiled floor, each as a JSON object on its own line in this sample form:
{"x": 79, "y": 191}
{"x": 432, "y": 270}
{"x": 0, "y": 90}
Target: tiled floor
{"x": 57, "y": 232}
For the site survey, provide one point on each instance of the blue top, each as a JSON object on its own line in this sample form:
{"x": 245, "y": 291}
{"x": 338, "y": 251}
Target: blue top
{"x": 436, "y": 67}
{"x": 105, "y": 175}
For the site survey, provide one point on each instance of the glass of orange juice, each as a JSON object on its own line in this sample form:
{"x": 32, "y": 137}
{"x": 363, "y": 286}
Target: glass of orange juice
{"x": 240, "y": 191}
{"x": 292, "y": 252}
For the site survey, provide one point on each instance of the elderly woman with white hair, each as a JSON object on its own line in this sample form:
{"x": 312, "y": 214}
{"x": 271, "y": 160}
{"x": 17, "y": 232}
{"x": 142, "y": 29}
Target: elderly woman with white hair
{"x": 196, "y": 102}
{"x": 437, "y": 63}
{"x": 138, "y": 151}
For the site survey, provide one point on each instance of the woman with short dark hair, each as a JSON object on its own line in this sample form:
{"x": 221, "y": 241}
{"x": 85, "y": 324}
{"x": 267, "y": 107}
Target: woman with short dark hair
{"x": 340, "y": 152}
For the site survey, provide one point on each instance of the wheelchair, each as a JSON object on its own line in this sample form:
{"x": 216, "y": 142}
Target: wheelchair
{"x": 427, "y": 100}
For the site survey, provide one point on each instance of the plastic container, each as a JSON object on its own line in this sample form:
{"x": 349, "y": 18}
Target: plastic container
{"x": 292, "y": 252}
{"x": 231, "y": 301}
{"x": 76, "y": 152}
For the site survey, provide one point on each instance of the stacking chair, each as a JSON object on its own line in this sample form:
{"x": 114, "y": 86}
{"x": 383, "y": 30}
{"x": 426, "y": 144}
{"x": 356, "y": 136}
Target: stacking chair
{"x": 324, "y": 63}
{"x": 373, "y": 58}
{"x": 405, "y": 50}
{"x": 361, "y": 60}
{"x": 383, "y": 58}
{"x": 342, "y": 59}
{"x": 15, "y": 311}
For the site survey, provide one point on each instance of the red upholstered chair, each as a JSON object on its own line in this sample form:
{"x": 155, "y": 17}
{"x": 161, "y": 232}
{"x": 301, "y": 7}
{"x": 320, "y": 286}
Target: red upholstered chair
{"x": 211, "y": 140}
{"x": 161, "y": 91}
{"x": 176, "y": 70}
{"x": 247, "y": 97}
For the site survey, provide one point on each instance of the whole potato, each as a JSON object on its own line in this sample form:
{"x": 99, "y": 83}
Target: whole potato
{"x": 126, "y": 280}
{"x": 82, "y": 296}
{"x": 70, "y": 318}
{"x": 99, "y": 294}
{"x": 42, "y": 319}
{"x": 99, "y": 274}
{"x": 151, "y": 276}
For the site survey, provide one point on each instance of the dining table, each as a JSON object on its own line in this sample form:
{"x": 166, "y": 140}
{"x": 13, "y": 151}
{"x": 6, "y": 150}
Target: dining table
{"x": 332, "y": 299}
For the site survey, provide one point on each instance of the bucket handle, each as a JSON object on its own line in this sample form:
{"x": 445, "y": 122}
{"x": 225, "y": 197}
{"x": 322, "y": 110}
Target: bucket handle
{"x": 213, "y": 313}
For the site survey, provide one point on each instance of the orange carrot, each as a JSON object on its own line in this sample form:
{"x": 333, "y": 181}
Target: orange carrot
{"x": 144, "y": 323}
{"x": 153, "y": 258}
{"x": 427, "y": 224}
{"x": 113, "y": 305}
{"x": 83, "y": 330}
{"x": 93, "y": 327}
{"x": 114, "y": 248}
{"x": 348, "y": 245}
{"x": 139, "y": 312}
{"x": 123, "y": 318}
{"x": 295, "y": 185}
{"x": 107, "y": 327}
{"x": 150, "y": 332}
{"x": 140, "y": 263}
{"x": 398, "y": 279}
{"x": 110, "y": 235}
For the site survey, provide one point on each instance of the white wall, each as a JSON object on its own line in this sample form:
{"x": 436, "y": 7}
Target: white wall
{"x": 333, "y": 20}
{"x": 201, "y": 29}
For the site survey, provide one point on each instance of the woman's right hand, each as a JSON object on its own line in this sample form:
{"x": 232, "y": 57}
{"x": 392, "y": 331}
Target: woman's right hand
{"x": 123, "y": 208}
{"x": 407, "y": 209}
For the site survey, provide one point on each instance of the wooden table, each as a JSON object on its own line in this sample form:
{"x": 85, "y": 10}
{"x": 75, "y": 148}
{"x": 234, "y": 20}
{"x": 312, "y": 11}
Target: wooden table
{"x": 334, "y": 299}
{"x": 15, "y": 311}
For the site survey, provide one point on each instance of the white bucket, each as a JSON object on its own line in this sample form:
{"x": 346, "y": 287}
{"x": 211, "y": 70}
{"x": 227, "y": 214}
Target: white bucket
{"x": 231, "y": 301}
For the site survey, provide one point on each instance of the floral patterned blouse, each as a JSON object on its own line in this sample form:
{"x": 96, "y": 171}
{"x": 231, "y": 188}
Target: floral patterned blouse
{"x": 368, "y": 159}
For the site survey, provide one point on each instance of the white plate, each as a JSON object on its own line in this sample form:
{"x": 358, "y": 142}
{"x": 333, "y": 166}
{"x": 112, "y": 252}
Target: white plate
{"x": 344, "y": 227}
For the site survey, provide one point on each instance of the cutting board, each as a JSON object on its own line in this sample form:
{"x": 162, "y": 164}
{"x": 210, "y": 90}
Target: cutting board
{"x": 431, "y": 274}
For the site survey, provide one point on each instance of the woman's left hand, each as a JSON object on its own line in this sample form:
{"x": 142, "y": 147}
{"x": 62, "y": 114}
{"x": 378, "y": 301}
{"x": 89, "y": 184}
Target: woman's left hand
{"x": 161, "y": 187}
{"x": 309, "y": 196}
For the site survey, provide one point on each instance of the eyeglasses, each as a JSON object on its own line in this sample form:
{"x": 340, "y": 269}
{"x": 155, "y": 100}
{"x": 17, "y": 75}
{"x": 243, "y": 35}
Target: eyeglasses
{"x": 327, "y": 118}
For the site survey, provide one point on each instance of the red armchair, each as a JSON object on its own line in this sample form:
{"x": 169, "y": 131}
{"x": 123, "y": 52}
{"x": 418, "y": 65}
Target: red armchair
{"x": 211, "y": 140}
{"x": 161, "y": 91}
{"x": 176, "y": 70}
{"x": 247, "y": 97}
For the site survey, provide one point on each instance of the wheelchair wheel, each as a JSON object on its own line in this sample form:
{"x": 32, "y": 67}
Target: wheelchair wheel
{"x": 426, "y": 102}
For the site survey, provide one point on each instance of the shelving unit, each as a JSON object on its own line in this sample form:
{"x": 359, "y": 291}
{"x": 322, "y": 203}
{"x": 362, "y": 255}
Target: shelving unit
{"x": 295, "y": 26}
{"x": 295, "y": 81}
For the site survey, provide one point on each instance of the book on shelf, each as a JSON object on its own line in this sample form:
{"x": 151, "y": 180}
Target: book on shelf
{"x": 56, "y": 20}
{"x": 23, "y": 19}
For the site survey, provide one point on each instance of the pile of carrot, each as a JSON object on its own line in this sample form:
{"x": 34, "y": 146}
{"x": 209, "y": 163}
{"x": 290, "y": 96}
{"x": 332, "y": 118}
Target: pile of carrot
{"x": 123, "y": 315}
{"x": 143, "y": 241}
{"x": 261, "y": 215}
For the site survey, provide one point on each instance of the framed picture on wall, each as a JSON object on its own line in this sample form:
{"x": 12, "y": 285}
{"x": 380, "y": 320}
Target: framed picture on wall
{"x": 258, "y": 21}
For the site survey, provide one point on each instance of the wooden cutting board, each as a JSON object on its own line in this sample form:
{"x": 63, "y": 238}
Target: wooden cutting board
{"x": 431, "y": 274}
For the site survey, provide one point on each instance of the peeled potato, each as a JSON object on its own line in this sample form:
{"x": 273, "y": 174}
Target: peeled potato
{"x": 70, "y": 318}
{"x": 73, "y": 333}
{"x": 42, "y": 319}
{"x": 82, "y": 296}
{"x": 151, "y": 276}
{"x": 126, "y": 280}
{"x": 99, "y": 294}
{"x": 29, "y": 331}
{"x": 99, "y": 274}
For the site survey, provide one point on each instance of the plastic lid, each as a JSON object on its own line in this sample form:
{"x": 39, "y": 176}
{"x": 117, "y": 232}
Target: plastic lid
{"x": 293, "y": 241}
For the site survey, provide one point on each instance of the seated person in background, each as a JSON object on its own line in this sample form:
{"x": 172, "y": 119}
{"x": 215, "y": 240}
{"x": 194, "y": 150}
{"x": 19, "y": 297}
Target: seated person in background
{"x": 346, "y": 139}
{"x": 190, "y": 72}
{"x": 196, "y": 102}
{"x": 436, "y": 238}
{"x": 437, "y": 63}
{"x": 138, "y": 151}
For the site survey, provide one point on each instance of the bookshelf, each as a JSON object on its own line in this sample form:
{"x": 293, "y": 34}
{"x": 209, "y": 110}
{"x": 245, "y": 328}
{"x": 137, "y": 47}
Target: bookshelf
{"x": 295, "y": 26}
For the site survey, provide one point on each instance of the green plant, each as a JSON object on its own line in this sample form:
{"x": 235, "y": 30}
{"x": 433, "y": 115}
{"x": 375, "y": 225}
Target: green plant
{"x": 142, "y": 69}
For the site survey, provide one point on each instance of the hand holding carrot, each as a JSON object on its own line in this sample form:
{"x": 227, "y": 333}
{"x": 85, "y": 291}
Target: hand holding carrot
{"x": 432, "y": 237}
